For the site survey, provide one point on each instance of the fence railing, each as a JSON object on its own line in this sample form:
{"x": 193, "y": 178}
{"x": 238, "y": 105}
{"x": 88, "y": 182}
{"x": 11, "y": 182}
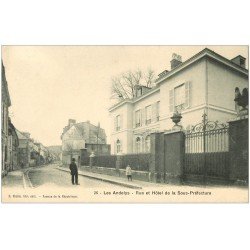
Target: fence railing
{"x": 106, "y": 161}
{"x": 138, "y": 162}
{"x": 209, "y": 141}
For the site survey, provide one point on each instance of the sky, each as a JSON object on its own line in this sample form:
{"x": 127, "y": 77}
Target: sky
{"x": 50, "y": 84}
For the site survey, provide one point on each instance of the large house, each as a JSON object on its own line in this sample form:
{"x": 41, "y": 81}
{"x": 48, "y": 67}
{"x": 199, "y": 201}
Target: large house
{"x": 6, "y": 103}
{"x": 82, "y": 136}
{"x": 205, "y": 82}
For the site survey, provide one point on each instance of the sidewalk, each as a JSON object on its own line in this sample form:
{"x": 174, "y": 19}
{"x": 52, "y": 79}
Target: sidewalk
{"x": 14, "y": 179}
{"x": 121, "y": 181}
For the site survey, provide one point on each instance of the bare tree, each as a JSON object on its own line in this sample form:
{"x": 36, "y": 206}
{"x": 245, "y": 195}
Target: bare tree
{"x": 123, "y": 86}
{"x": 69, "y": 149}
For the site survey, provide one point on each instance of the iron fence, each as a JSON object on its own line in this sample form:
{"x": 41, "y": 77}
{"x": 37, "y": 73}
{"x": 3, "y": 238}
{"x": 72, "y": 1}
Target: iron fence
{"x": 207, "y": 150}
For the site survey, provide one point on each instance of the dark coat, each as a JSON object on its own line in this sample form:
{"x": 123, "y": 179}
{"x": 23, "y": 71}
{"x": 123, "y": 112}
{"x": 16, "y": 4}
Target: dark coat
{"x": 73, "y": 168}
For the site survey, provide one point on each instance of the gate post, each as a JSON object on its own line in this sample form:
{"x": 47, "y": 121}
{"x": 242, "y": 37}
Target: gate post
{"x": 91, "y": 160}
{"x": 118, "y": 163}
{"x": 174, "y": 154}
{"x": 238, "y": 150}
{"x": 156, "y": 165}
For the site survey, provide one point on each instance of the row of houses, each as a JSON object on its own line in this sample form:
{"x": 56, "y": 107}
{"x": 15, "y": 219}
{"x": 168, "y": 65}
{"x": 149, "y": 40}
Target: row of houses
{"x": 19, "y": 150}
{"x": 206, "y": 82}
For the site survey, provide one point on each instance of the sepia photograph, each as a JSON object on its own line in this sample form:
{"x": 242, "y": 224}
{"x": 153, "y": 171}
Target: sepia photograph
{"x": 124, "y": 124}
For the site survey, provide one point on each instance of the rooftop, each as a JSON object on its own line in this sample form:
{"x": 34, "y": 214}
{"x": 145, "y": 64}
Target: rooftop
{"x": 166, "y": 74}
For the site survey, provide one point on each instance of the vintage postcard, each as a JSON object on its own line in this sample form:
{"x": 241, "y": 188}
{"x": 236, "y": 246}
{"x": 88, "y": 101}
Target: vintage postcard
{"x": 124, "y": 124}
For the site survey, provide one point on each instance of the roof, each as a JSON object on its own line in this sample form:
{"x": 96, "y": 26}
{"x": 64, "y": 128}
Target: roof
{"x": 205, "y": 52}
{"x": 166, "y": 74}
{"x": 20, "y": 135}
{"x": 82, "y": 128}
{"x": 135, "y": 99}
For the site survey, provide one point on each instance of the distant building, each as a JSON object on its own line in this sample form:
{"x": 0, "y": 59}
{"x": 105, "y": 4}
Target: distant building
{"x": 81, "y": 136}
{"x": 13, "y": 144}
{"x": 6, "y": 103}
{"x": 24, "y": 150}
{"x": 204, "y": 83}
{"x": 56, "y": 152}
{"x": 30, "y": 153}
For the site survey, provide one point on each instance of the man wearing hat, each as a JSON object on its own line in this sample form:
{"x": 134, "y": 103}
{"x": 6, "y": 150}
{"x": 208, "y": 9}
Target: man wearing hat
{"x": 74, "y": 172}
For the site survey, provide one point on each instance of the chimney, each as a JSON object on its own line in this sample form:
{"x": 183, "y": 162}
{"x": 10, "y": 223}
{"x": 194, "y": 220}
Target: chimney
{"x": 71, "y": 122}
{"x": 176, "y": 60}
{"x": 240, "y": 61}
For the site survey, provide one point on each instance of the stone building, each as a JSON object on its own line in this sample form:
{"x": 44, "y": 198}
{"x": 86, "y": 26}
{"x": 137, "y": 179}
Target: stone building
{"x": 24, "y": 151}
{"x": 205, "y": 82}
{"x": 80, "y": 136}
{"x": 6, "y": 103}
{"x": 13, "y": 144}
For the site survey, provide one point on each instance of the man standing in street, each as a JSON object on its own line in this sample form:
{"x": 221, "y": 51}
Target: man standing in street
{"x": 74, "y": 172}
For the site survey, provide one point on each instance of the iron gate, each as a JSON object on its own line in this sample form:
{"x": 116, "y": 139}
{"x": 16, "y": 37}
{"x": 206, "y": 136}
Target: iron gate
{"x": 207, "y": 150}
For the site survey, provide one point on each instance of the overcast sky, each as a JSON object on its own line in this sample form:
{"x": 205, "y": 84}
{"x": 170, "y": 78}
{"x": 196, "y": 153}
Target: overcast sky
{"x": 50, "y": 84}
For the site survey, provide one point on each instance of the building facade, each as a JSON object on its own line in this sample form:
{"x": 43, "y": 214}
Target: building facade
{"x": 79, "y": 136}
{"x": 204, "y": 83}
{"x": 5, "y": 104}
{"x": 13, "y": 144}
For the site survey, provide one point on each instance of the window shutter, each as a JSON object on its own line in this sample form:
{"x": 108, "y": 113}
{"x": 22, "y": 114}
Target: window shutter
{"x": 171, "y": 100}
{"x": 187, "y": 94}
{"x": 121, "y": 121}
{"x": 143, "y": 116}
{"x": 115, "y": 123}
{"x": 154, "y": 112}
{"x": 134, "y": 119}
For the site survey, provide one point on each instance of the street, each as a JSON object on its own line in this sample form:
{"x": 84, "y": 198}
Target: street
{"x": 49, "y": 175}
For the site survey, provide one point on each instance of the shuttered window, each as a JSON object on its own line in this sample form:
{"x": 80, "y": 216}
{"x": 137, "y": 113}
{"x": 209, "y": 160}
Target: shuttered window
{"x": 118, "y": 122}
{"x": 171, "y": 100}
{"x": 179, "y": 97}
{"x": 138, "y": 118}
{"x": 158, "y": 111}
{"x": 148, "y": 118}
{"x": 187, "y": 94}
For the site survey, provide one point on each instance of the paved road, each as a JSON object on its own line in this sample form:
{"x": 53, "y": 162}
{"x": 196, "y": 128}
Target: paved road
{"x": 49, "y": 175}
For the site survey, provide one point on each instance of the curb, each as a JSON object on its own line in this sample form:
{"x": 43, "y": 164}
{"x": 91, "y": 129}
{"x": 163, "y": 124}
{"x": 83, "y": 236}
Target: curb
{"x": 27, "y": 179}
{"x": 104, "y": 179}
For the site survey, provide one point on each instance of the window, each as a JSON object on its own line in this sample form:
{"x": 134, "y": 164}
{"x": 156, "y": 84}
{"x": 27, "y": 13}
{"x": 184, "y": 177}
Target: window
{"x": 138, "y": 145}
{"x": 118, "y": 122}
{"x": 138, "y": 118}
{"x": 157, "y": 111}
{"x": 147, "y": 144}
{"x": 148, "y": 114}
{"x": 118, "y": 146}
{"x": 179, "y": 97}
